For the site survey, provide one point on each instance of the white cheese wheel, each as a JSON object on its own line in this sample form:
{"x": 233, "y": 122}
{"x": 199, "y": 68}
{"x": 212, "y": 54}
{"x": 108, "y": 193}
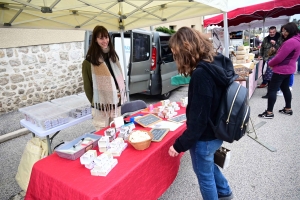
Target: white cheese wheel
{"x": 240, "y": 57}
{"x": 251, "y": 56}
{"x": 240, "y": 48}
{"x": 240, "y": 61}
{"x": 139, "y": 136}
{"x": 243, "y": 52}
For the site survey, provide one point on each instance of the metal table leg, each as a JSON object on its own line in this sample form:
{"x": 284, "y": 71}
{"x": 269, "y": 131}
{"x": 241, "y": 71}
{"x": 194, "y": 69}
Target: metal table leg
{"x": 255, "y": 127}
{"x": 49, "y": 145}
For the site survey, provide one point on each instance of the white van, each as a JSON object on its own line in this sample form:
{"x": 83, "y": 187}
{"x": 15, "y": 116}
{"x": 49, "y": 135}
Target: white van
{"x": 150, "y": 61}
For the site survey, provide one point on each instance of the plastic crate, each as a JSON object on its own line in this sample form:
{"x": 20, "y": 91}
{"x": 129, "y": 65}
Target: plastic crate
{"x": 77, "y": 105}
{"x": 46, "y": 115}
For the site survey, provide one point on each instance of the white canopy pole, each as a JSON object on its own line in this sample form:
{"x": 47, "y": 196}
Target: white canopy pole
{"x": 264, "y": 28}
{"x": 250, "y": 36}
{"x": 125, "y": 65}
{"x": 226, "y": 35}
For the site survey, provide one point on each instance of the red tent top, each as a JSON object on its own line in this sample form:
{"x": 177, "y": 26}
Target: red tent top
{"x": 260, "y": 11}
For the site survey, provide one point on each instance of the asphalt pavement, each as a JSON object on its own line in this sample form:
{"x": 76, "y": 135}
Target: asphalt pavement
{"x": 255, "y": 172}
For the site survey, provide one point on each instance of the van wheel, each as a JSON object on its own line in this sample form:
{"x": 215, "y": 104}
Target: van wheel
{"x": 165, "y": 95}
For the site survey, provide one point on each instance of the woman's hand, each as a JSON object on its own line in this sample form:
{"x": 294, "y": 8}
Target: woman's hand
{"x": 173, "y": 152}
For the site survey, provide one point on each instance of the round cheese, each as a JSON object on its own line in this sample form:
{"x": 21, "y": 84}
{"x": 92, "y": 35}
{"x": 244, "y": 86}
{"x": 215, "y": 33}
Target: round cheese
{"x": 240, "y": 48}
{"x": 240, "y": 57}
{"x": 240, "y": 61}
{"x": 243, "y": 52}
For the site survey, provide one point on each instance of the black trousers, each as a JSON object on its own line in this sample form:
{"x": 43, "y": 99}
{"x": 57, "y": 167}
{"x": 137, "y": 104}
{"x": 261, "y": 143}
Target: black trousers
{"x": 279, "y": 81}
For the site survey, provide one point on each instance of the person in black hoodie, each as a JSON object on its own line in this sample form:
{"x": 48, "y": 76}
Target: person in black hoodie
{"x": 210, "y": 75}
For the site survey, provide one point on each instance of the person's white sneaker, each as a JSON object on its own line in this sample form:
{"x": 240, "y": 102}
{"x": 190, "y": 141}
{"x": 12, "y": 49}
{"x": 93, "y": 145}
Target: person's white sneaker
{"x": 279, "y": 93}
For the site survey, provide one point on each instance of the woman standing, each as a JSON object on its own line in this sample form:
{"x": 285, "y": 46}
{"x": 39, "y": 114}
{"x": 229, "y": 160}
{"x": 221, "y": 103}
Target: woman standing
{"x": 210, "y": 74}
{"x": 103, "y": 79}
{"x": 283, "y": 65}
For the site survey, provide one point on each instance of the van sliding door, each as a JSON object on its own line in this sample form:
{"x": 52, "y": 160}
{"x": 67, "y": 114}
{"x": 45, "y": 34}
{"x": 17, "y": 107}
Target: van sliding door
{"x": 139, "y": 70}
{"x": 168, "y": 67}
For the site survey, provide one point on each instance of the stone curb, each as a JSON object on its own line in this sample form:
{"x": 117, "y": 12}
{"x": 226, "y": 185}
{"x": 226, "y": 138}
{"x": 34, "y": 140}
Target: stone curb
{"x": 14, "y": 134}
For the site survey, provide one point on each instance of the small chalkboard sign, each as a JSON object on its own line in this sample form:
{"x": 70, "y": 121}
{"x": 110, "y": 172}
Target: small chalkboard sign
{"x": 159, "y": 134}
{"x": 147, "y": 120}
{"x": 179, "y": 118}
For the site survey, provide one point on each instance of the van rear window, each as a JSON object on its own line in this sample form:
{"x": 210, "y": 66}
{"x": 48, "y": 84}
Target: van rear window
{"x": 166, "y": 53}
{"x": 141, "y": 47}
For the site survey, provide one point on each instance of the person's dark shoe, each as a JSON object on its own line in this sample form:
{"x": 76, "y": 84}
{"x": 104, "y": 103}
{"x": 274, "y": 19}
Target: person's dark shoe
{"x": 265, "y": 97}
{"x": 225, "y": 197}
{"x": 286, "y": 112}
{"x": 262, "y": 85}
{"x": 266, "y": 115}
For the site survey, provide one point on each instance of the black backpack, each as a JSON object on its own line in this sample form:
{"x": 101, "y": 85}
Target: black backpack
{"x": 233, "y": 114}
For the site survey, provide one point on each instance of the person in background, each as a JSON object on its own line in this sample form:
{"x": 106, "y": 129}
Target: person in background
{"x": 272, "y": 40}
{"x": 269, "y": 72}
{"x": 210, "y": 73}
{"x": 103, "y": 79}
{"x": 257, "y": 41}
{"x": 298, "y": 61}
{"x": 283, "y": 65}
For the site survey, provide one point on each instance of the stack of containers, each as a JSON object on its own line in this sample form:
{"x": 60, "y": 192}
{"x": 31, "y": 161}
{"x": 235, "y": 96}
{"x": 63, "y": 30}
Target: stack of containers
{"x": 78, "y": 106}
{"x": 46, "y": 115}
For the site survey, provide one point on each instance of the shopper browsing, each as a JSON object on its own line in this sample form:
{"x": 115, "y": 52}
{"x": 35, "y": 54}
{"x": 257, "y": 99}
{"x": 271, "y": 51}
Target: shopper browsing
{"x": 210, "y": 74}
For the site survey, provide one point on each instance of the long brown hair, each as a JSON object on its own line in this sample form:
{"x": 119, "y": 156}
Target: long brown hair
{"x": 95, "y": 51}
{"x": 189, "y": 46}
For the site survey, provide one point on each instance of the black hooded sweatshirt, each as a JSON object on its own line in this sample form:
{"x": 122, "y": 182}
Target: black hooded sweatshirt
{"x": 207, "y": 84}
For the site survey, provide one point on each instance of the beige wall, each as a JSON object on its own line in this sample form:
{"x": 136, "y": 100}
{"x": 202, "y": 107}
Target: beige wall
{"x": 14, "y": 37}
{"x": 197, "y": 22}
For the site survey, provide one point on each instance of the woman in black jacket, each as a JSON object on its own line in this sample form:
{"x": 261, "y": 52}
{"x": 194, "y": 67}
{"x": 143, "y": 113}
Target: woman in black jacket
{"x": 210, "y": 74}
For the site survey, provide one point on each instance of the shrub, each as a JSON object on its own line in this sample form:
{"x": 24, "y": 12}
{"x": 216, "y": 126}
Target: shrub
{"x": 165, "y": 30}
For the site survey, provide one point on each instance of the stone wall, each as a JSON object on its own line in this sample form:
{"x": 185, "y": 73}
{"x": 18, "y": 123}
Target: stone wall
{"x": 34, "y": 74}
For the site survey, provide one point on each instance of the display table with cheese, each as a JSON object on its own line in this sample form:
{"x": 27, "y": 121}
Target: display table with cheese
{"x": 245, "y": 67}
{"x": 139, "y": 174}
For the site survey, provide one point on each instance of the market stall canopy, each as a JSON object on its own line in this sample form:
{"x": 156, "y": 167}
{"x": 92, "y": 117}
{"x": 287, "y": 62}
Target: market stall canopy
{"x": 260, "y": 11}
{"x": 259, "y": 23}
{"x": 113, "y": 14}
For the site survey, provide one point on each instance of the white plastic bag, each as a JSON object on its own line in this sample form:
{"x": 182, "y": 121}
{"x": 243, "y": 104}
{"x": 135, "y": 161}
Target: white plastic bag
{"x": 35, "y": 150}
{"x": 265, "y": 68}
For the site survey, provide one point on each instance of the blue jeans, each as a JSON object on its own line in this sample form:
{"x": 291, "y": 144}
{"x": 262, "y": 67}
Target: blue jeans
{"x": 210, "y": 178}
{"x": 291, "y": 83}
{"x": 298, "y": 64}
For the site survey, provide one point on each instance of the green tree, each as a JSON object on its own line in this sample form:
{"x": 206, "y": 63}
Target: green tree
{"x": 165, "y": 30}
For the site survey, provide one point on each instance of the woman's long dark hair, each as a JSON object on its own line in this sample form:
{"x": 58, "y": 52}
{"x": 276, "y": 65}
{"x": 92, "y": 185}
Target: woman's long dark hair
{"x": 95, "y": 51}
{"x": 291, "y": 28}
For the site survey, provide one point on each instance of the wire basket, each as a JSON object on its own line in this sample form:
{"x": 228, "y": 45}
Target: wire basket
{"x": 141, "y": 145}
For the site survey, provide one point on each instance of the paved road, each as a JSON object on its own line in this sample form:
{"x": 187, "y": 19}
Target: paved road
{"x": 255, "y": 173}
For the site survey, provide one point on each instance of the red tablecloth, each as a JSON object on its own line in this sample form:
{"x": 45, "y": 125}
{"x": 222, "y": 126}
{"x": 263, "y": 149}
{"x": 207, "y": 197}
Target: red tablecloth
{"x": 138, "y": 175}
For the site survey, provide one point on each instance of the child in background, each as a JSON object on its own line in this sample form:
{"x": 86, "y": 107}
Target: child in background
{"x": 269, "y": 72}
